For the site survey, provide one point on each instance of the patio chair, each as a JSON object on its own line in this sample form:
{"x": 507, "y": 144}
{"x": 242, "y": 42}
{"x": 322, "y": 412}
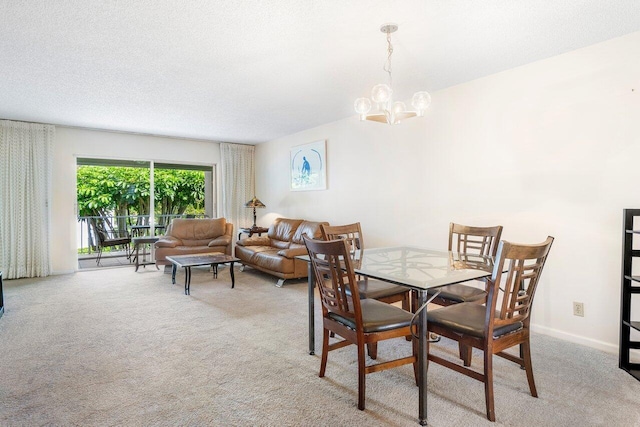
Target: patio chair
{"x": 106, "y": 240}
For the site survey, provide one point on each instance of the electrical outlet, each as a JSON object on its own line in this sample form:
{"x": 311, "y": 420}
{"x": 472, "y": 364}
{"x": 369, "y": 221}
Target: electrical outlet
{"x": 578, "y": 309}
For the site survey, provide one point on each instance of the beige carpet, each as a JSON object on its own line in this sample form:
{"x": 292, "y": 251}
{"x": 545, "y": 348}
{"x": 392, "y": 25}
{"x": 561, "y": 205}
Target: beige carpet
{"x": 114, "y": 347}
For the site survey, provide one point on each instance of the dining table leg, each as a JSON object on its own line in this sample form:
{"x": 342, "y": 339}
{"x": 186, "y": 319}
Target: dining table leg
{"x": 312, "y": 323}
{"x": 423, "y": 337}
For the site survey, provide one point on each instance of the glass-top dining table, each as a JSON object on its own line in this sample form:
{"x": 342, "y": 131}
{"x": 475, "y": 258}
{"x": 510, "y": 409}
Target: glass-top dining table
{"x": 418, "y": 269}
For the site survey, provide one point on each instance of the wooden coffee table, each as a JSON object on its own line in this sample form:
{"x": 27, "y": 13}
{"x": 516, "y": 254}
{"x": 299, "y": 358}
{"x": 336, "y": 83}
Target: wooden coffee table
{"x": 187, "y": 261}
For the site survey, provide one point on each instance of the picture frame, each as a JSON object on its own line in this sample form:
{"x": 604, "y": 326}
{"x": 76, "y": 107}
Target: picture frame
{"x": 308, "y": 166}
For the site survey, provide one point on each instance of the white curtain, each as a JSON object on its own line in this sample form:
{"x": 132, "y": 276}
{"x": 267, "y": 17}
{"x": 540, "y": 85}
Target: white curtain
{"x": 25, "y": 190}
{"x": 237, "y": 183}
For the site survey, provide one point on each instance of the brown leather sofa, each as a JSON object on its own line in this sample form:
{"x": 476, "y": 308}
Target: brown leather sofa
{"x": 193, "y": 236}
{"x": 275, "y": 253}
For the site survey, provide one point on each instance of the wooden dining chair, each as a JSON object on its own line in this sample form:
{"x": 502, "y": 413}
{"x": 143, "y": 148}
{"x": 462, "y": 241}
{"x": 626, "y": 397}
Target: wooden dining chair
{"x": 358, "y": 321}
{"x": 465, "y": 239}
{"x": 502, "y": 322}
{"x": 368, "y": 288}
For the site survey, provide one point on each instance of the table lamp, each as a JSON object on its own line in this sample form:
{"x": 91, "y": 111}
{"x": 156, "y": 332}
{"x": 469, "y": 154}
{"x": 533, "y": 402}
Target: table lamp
{"x": 254, "y": 203}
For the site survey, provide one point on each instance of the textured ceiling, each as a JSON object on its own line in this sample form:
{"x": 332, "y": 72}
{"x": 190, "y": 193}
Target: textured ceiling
{"x": 251, "y": 71}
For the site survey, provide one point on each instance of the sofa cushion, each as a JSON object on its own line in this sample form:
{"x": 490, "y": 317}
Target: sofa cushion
{"x": 168, "y": 242}
{"x": 197, "y": 231}
{"x": 293, "y": 251}
{"x": 282, "y": 230}
{"x": 270, "y": 260}
{"x": 249, "y": 254}
{"x": 309, "y": 228}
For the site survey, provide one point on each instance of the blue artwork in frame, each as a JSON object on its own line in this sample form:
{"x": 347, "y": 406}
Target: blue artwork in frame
{"x": 309, "y": 167}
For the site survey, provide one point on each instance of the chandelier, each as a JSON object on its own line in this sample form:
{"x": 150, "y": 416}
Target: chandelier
{"x": 386, "y": 110}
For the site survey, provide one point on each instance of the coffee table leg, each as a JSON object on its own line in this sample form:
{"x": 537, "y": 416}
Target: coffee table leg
{"x": 233, "y": 279}
{"x": 187, "y": 280}
{"x": 215, "y": 270}
{"x": 174, "y": 268}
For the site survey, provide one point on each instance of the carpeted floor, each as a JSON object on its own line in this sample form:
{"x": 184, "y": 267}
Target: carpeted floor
{"x": 114, "y": 347}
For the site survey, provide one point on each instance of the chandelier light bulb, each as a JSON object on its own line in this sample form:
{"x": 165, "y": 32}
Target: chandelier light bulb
{"x": 421, "y": 101}
{"x": 381, "y": 93}
{"x": 362, "y": 107}
{"x": 399, "y": 107}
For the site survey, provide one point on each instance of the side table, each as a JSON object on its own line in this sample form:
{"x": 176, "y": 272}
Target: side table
{"x": 252, "y": 230}
{"x": 143, "y": 241}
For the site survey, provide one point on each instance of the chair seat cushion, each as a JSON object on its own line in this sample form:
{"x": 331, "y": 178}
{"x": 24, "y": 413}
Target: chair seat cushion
{"x": 459, "y": 293}
{"x": 468, "y": 319}
{"x": 116, "y": 241}
{"x": 377, "y": 317}
{"x": 376, "y": 289}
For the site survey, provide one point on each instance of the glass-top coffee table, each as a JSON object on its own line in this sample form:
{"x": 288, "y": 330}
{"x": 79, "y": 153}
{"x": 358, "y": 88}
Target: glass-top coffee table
{"x": 187, "y": 261}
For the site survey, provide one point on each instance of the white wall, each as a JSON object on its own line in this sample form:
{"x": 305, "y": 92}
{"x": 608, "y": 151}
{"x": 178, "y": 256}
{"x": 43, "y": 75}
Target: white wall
{"x": 549, "y": 148}
{"x": 71, "y": 143}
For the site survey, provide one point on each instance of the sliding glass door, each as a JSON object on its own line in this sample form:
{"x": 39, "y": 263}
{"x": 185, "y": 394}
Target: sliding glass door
{"x": 114, "y": 200}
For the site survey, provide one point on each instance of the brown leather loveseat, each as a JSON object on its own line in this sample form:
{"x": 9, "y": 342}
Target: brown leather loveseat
{"x": 193, "y": 236}
{"x": 275, "y": 253}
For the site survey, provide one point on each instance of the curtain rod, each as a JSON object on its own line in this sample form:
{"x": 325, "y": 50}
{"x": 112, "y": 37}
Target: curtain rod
{"x": 117, "y": 131}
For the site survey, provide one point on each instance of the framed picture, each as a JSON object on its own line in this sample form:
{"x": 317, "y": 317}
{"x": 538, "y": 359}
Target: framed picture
{"x": 309, "y": 166}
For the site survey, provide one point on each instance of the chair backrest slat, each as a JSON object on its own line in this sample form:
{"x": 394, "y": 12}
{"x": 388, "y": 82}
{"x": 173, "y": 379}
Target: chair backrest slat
{"x": 350, "y": 233}
{"x": 517, "y": 271}
{"x": 474, "y": 240}
{"x": 336, "y": 282}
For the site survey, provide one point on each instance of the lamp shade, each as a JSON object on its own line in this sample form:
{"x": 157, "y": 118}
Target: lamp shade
{"x": 254, "y": 203}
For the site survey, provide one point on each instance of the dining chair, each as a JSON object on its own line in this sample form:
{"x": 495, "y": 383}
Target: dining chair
{"x": 502, "y": 322}
{"x": 466, "y": 239}
{"x": 357, "y": 321}
{"x": 368, "y": 288}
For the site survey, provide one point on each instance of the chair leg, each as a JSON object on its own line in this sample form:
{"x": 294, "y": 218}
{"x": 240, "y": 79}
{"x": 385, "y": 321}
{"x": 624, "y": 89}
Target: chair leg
{"x": 465, "y": 353}
{"x": 406, "y": 301}
{"x": 488, "y": 385}
{"x": 361, "y": 376}
{"x": 526, "y": 350}
{"x": 406, "y": 305}
{"x": 372, "y": 349}
{"x": 325, "y": 352}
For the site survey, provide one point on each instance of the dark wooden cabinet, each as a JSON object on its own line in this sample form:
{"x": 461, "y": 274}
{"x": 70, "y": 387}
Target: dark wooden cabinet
{"x": 630, "y": 287}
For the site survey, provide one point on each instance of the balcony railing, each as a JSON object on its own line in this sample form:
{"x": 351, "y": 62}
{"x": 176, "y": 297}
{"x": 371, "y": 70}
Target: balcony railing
{"x": 120, "y": 226}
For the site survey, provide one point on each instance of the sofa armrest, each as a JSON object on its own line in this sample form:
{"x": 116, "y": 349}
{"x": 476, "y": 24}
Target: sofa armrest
{"x": 220, "y": 241}
{"x": 168, "y": 242}
{"x": 293, "y": 252}
{"x": 255, "y": 241}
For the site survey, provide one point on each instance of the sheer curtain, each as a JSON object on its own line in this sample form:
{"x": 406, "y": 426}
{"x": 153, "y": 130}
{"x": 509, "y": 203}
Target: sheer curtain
{"x": 238, "y": 183}
{"x": 25, "y": 177}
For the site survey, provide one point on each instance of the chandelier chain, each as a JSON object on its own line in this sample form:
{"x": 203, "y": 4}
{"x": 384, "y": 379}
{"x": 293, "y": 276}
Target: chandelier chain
{"x": 387, "y": 65}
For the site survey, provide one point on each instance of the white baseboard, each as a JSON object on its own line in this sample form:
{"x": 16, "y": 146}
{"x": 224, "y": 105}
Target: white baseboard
{"x": 589, "y": 342}
{"x": 61, "y": 272}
